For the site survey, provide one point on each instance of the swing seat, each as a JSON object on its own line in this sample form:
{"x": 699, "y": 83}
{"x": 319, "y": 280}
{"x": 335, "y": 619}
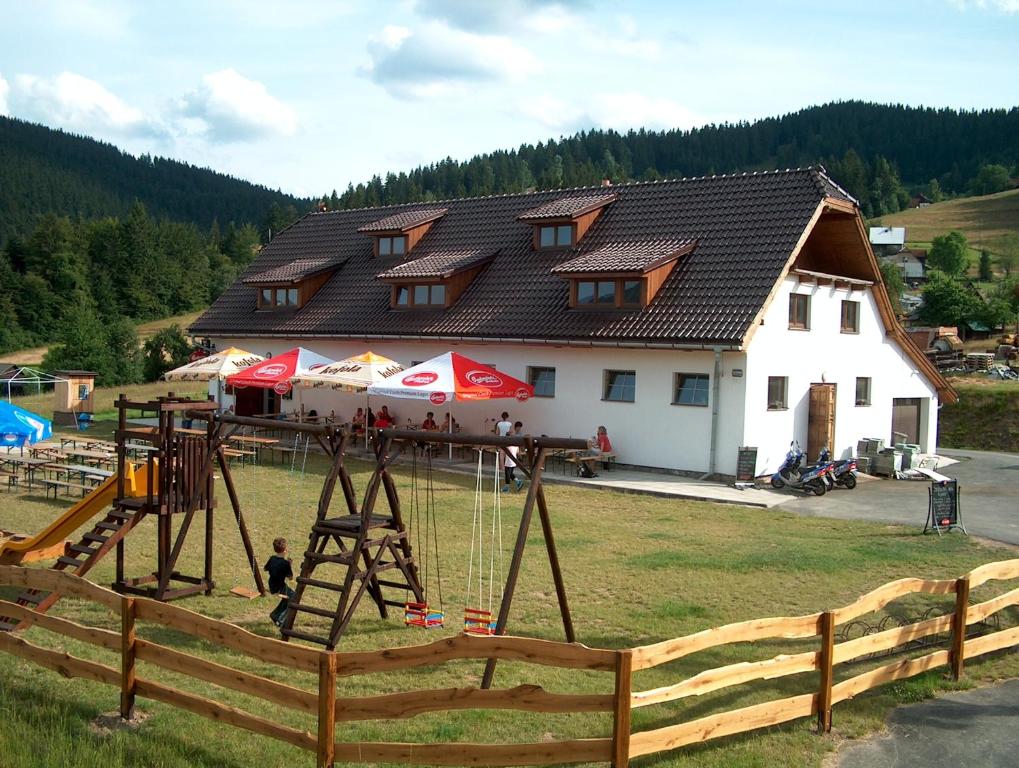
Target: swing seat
{"x": 478, "y": 622}
{"x": 419, "y": 615}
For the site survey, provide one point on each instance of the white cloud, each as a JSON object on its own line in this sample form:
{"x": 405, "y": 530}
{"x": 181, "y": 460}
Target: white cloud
{"x": 618, "y": 111}
{"x": 4, "y": 90}
{"x": 77, "y": 103}
{"x": 230, "y": 107}
{"x": 1005, "y": 6}
{"x": 436, "y": 59}
{"x": 500, "y": 15}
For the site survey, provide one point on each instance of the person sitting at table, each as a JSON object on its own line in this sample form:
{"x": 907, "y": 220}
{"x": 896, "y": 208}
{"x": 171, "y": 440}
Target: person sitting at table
{"x": 312, "y": 415}
{"x": 385, "y": 414}
{"x": 357, "y": 420}
{"x": 370, "y": 417}
{"x": 383, "y": 419}
{"x": 600, "y": 444}
{"x": 429, "y": 424}
{"x": 449, "y": 424}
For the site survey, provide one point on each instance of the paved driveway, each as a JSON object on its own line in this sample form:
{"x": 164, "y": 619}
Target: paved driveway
{"x": 989, "y": 497}
{"x": 973, "y": 728}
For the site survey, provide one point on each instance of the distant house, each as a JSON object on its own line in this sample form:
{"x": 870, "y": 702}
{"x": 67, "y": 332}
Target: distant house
{"x": 689, "y": 317}
{"x": 919, "y": 201}
{"x": 886, "y": 241}
{"x": 913, "y": 262}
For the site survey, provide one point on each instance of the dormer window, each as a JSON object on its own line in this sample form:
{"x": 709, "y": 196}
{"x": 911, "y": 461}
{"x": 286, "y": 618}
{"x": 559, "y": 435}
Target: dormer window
{"x": 435, "y": 280}
{"x": 391, "y": 245}
{"x": 396, "y": 235}
{"x": 621, "y": 275}
{"x": 561, "y": 223}
{"x": 292, "y": 285}
{"x": 555, "y": 236}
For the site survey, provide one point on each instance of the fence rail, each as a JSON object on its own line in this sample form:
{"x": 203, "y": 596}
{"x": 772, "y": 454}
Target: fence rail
{"x": 327, "y": 708}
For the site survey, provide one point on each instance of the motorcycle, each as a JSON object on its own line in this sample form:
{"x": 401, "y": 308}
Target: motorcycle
{"x": 812, "y": 479}
{"x": 842, "y": 473}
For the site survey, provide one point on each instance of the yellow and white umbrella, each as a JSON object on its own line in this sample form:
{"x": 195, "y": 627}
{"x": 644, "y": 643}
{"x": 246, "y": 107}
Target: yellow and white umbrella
{"x": 216, "y": 366}
{"x": 353, "y": 374}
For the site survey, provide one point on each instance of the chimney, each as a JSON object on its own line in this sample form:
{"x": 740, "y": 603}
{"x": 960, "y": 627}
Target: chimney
{"x": 606, "y": 182}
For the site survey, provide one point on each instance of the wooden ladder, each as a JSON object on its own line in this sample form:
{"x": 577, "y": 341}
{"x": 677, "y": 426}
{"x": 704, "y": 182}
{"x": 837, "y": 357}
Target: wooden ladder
{"x": 365, "y": 552}
{"x": 80, "y": 558}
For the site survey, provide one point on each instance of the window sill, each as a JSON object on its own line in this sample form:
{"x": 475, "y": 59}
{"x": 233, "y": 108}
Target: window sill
{"x": 778, "y": 408}
{"x": 691, "y": 405}
{"x": 862, "y": 405}
{"x": 545, "y": 397}
{"x": 607, "y": 400}
{"x": 849, "y": 332}
{"x": 798, "y": 328}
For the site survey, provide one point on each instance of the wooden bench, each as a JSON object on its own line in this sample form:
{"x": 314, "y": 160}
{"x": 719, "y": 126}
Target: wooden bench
{"x": 577, "y": 459}
{"x": 56, "y": 485}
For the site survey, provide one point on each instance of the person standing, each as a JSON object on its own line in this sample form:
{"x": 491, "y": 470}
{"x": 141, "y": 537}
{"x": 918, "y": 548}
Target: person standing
{"x": 510, "y": 465}
{"x": 279, "y": 568}
{"x": 504, "y": 426}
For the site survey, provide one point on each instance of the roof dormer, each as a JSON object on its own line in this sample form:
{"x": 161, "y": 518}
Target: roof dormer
{"x": 436, "y": 279}
{"x": 292, "y": 285}
{"x": 563, "y": 222}
{"x": 396, "y": 235}
{"x": 621, "y": 275}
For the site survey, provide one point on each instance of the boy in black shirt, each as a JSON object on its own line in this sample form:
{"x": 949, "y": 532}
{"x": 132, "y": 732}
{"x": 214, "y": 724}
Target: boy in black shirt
{"x": 279, "y": 570}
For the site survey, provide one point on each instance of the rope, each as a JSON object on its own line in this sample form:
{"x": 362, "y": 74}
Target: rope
{"x": 430, "y": 509}
{"x": 476, "y": 529}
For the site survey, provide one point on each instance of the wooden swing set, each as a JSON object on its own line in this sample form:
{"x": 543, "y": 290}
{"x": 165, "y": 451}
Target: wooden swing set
{"x": 365, "y": 551}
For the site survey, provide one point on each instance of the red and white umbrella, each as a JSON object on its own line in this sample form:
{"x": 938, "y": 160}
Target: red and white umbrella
{"x": 276, "y": 372}
{"x": 452, "y": 376}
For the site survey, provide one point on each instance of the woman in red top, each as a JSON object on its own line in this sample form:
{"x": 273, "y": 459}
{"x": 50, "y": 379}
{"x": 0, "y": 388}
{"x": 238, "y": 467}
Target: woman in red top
{"x": 604, "y": 444}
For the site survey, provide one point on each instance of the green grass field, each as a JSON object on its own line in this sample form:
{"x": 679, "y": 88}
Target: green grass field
{"x": 981, "y": 219}
{"x": 638, "y": 570}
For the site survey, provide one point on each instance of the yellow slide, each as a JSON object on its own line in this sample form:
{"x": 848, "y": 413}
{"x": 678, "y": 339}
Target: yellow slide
{"x": 49, "y": 541}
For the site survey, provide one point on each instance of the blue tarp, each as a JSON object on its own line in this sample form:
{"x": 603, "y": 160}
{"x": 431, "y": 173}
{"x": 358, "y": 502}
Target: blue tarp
{"x": 21, "y": 427}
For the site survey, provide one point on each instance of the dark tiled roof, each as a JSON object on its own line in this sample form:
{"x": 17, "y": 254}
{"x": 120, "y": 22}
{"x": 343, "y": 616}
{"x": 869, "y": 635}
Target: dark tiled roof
{"x": 438, "y": 264}
{"x": 404, "y": 220}
{"x": 746, "y": 227}
{"x": 294, "y": 272}
{"x": 567, "y": 207}
{"x": 636, "y": 256}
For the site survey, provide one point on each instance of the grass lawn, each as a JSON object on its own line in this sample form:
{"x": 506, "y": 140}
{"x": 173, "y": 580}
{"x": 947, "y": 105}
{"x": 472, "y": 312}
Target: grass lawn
{"x": 638, "y": 570}
{"x": 983, "y": 220}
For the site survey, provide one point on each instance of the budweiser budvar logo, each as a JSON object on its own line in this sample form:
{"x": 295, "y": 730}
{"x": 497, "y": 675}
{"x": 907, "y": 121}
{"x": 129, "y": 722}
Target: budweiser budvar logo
{"x": 420, "y": 379}
{"x": 271, "y": 371}
{"x": 483, "y": 379}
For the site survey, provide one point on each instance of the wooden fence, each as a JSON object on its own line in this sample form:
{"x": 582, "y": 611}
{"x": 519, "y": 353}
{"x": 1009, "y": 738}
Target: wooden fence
{"x": 618, "y": 748}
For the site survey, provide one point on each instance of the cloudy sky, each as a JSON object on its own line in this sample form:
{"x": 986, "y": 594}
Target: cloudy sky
{"x": 307, "y": 96}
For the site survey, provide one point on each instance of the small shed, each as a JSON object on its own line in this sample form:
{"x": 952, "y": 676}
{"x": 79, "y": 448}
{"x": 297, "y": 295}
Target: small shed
{"x": 73, "y": 394}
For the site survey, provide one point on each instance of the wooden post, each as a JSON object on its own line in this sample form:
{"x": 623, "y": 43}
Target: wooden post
{"x": 621, "y": 717}
{"x": 827, "y": 671}
{"x": 326, "y": 709}
{"x": 127, "y": 658}
{"x": 959, "y": 626}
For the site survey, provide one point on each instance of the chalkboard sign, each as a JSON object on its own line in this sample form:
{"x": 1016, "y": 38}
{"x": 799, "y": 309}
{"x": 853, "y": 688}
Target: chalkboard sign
{"x": 746, "y": 465}
{"x": 943, "y": 512}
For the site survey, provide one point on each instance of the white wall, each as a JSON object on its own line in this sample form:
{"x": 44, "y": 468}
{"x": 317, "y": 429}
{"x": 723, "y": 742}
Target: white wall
{"x": 649, "y": 432}
{"x": 824, "y": 353}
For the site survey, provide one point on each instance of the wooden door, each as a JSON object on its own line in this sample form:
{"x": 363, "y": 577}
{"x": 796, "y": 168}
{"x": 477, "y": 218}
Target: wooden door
{"x": 821, "y": 420}
{"x": 906, "y": 420}
{"x": 248, "y": 401}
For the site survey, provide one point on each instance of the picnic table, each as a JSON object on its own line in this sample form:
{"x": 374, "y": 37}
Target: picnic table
{"x": 88, "y": 477}
{"x": 98, "y": 458}
{"x": 22, "y": 465}
{"x": 51, "y": 451}
{"x": 579, "y": 457}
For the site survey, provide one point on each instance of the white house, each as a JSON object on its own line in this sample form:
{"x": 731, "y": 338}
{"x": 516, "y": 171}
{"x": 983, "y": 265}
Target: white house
{"x": 689, "y": 317}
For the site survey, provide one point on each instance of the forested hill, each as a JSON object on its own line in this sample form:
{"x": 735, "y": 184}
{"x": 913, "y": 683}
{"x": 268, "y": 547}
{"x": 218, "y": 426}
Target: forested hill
{"x": 879, "y": 153}
{"x": 46, "y": 171}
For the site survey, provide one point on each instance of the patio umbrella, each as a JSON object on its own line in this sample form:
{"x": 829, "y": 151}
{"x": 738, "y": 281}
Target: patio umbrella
{"x": 217, "y": 366}
{"x": 353, "y": 374}
{"x": 449, "y": 377}
{"x": 277, "y": 373}
{"x": 18, "y": 426}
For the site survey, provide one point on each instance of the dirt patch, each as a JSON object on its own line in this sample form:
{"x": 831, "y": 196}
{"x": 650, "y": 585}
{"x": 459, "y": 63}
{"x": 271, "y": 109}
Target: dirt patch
{"x": 109, "y": 723}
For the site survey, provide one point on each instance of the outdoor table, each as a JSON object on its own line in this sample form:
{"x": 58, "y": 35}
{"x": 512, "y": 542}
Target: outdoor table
{"x": 84, "y": 471}
{"x": 51, "y": 451}
{"x": 26, "y": 464}
{"x": 98, "y": 458}
{"x": 134, "y": 449}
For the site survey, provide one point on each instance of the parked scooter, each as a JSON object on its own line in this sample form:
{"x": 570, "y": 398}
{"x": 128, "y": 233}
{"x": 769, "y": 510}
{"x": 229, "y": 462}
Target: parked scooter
{"x": 842, "y": 473}
{"x": 811, "y": 479}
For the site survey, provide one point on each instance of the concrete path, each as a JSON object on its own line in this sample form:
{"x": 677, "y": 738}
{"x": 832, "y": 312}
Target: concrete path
{"x": 973, "y": 728}
{"x": 989, "y": 497}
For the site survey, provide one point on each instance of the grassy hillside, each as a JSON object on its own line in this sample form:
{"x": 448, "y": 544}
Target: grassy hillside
{"x": 985, "y": 418}
{"x": 983, "y": 220}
